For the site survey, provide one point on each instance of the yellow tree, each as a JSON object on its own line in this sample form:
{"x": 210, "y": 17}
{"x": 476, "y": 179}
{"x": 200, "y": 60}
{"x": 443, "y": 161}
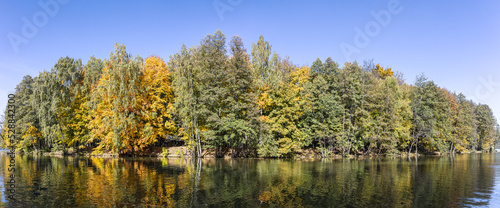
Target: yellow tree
{"x": 116, "y": 118}
{"x": 288, "y": 107}
{"x": 157, "y": 103}
{"x": 81, "y": 105}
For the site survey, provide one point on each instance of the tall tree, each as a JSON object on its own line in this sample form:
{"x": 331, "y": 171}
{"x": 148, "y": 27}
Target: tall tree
{"x": 350, "y": 88}
{"x": 27, "y": 127}
{"x": 68, "y": 73}
{"x": 322, "y": 111}
{"x": 279, "y": 77}
{"x": 466, "y": 124}
{"x": 47, "y": 101}
{"x": 422, "y": 106}
{"x": 485, "y": 127}
{"x": 188, "y": 87}
{"x": 83, "y": 105}
{"x": 157, "y": 103}
{"x": 240, "y": 109}
{"x": 443, "y": 139}
{"x": 261, "y": 62}
{"x": 117, "y": 112}
{"x": 287, "y": 107}
{"x": 262, "y": 67}
{"x": 211, "y": 60}
{"x": 387, "y": 123}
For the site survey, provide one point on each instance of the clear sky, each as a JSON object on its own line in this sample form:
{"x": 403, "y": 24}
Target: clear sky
{"x": 454, "y": 43}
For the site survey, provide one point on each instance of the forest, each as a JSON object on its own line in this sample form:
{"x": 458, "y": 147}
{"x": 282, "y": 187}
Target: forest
{"x": 217, "y": 98}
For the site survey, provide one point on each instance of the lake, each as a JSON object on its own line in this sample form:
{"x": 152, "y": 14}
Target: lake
{"x": 48, "y": 181}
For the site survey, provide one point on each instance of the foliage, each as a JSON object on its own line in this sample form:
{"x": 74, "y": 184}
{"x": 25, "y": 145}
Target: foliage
{"x": 157, "y": 113}
{"x": 218, "y": 98}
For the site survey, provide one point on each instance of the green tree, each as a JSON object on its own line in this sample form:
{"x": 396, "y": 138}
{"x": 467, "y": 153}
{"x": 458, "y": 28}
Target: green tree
{"x": 83, "y": 104}
{"x": 387, "y": 123}
{"x": 68, "y": 73}
{"x": 262, "y": 68}
{"x": 422, "y": 105}
{"x": 350, "y": 87}
{"x": 443, "y": 137}
{"x": 157, "y": 119}
{"x": 187, "y": 89}
{"x": 322, "y": 111}
{"x": 485, "y": 127}
{"x": 240, "y": 109}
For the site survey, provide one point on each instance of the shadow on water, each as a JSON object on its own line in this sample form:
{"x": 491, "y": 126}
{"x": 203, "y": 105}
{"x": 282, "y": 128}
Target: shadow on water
{"x": 461, "y": 180}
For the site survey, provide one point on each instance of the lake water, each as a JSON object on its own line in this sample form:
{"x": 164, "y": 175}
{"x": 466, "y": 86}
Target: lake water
{"x": 43, "y": 181}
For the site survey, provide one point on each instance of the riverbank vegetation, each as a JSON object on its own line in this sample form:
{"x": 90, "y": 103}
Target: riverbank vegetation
{"x": 217, "y": 97}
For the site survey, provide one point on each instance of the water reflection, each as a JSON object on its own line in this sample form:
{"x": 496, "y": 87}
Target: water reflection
{"x": 136, "y": 182}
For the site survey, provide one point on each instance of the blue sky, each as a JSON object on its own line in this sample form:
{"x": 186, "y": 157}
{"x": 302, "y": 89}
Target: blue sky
{"x": 455, "y": 43}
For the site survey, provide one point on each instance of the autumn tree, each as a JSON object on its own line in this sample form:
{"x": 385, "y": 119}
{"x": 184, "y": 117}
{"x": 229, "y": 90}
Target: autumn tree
{"x": 117, "y": 96}
{"x": 287, "y": 106}
{"x": 277, "y": 81}
{"x": 157, "y": 103}
{"x": 188, "y": 86}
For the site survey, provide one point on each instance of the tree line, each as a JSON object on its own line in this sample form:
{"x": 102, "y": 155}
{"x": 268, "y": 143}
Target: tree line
{"x": 220, "y": 99}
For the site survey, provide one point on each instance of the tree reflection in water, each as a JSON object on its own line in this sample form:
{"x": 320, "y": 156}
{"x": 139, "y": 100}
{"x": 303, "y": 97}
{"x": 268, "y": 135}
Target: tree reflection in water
{"x": 136, "y": 182}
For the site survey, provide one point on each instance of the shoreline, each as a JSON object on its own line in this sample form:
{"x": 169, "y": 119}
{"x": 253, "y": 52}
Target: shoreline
{"x": 176, "y": 153}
